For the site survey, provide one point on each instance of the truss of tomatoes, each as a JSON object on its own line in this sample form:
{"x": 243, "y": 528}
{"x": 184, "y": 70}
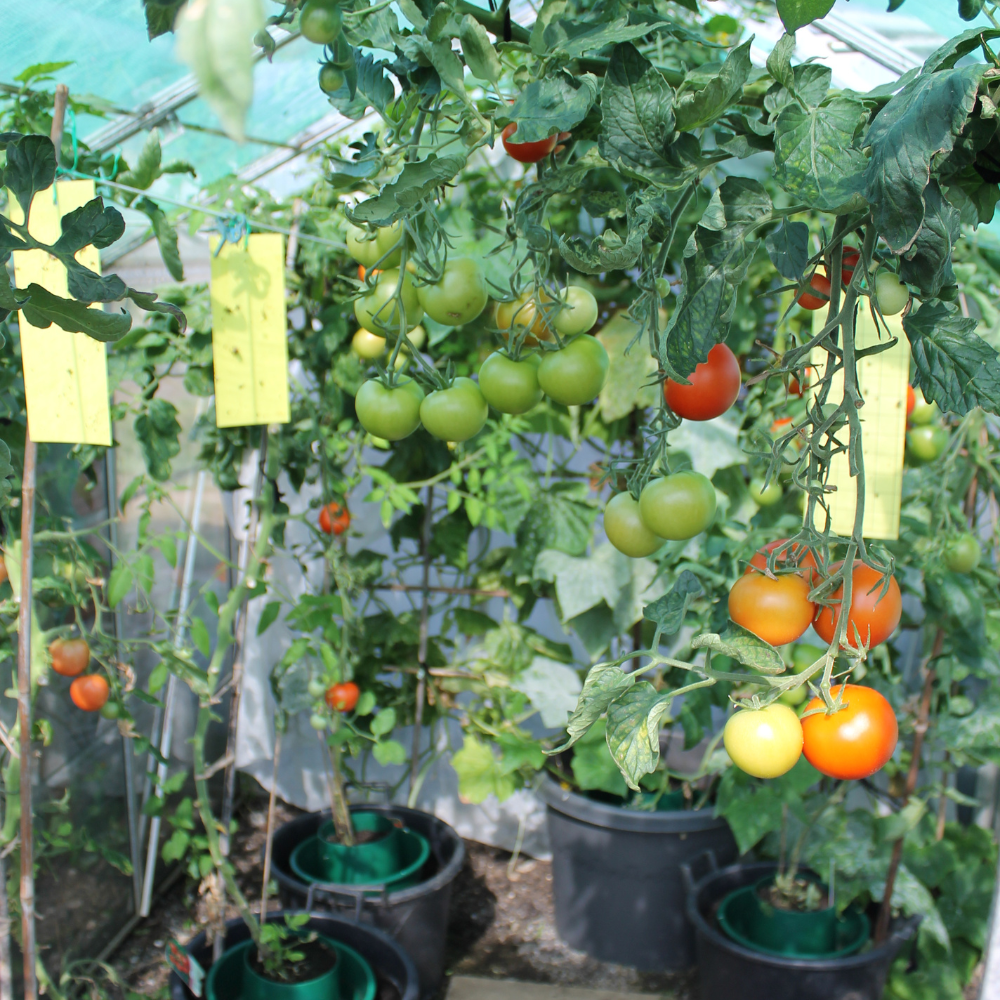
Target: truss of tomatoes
{"x": 572, "y": 374}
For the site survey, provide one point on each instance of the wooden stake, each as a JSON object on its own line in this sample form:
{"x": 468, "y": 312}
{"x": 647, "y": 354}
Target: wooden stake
{"x": 269, "y": 832}
{"x": 24, "y": 657}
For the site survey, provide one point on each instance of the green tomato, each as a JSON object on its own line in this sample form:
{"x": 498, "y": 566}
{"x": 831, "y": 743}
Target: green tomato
{"x": 678, "y": 506}
{"x": 962, "y": 553}
{"x": 331, "y": 79}
{"x": 459, "y": 297}
{"x": 376, "y": 311}
{"x": 417, "y": 337}
{"x": 765, "y": 496}
{"x": 112, "y": 710}
{"x": 392, "y": 414}
{"x": 320, "y": 21}
{"x": 367, "y": 345}
{"x": 794, "y": 697}
{"x": 922, "y": 412}
{"x": 317, "y": 721}
{"x": 316, "y": 687}
{"x": 625, "y": 529}
{"x": 510, "y": 386}
{"x": 890, "y": 293}
{"x": 576, "y": 374}
{"x": 805, "y": 655}
{"x": 361, "y": 245}
{"x": 456, "y": 413}
{"x": 926, "y": 443}
{"x": 386, "y": 239}
{"x": 578, "y": 313}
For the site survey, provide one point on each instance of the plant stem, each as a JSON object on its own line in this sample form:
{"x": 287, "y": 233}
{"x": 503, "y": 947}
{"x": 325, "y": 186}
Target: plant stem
{"x": 341, "y": 810}
{"x": 421, "y": 694}
{"x": 269, "y": 832}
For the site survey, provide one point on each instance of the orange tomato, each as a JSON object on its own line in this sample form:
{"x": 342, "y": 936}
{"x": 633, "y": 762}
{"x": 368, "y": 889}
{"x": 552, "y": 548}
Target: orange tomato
{"x": 876, "y": 618}
{"x": 800, "y": 556}
{"x": 527, "y": 152}
{"x": 342, "y": 697}
{"x": 89, "y": 692}
{"x": 69, "y": 656}
{"x": 362, "y": 271}
{"x": 334, "y": 519}
{"x": 522, "y": 315}
{"x": 777, "y": 611}
{"x": 854, "y": 742}
{"x": 911, "y": 400}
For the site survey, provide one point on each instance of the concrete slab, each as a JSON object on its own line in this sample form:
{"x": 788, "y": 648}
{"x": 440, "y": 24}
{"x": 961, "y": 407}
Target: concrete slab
{"x": 479, "y": 988}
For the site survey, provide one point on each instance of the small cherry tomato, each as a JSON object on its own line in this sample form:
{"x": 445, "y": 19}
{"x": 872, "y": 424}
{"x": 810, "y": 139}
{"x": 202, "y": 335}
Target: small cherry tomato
{"x": 367, "y": 345}
{"x": 526, "y": 152}
{"x": 848, "y": 262}
{"x": 579, "y": 312}
{"x": 765, "y": 496}
{"x": 911, "y": 401}
{"x": 625, "y": 529}
{"x": 89, "y": 692}
{"x": 715, "y": 384}
{"x": 3, "y": 569}
{"x": 820, "y": 284}
{"x": 856, "y": 741}
{"x": 331, "y": 79}
{"x": 459, "y": 297}
{"x": 343, "y": 697}
{"x": 890, "y": 293}
{"x": 962, "y": 553}
{"x": 392, "y": 414}
{"x": 112, "y": 710}
{"x": 922, "y": 412}
{"x": 523, "y": 317}
{"x": 320, "y": 22}
{"x": 510, "y": 386}
{"x": 875, "y": 617}
{"x": 764, "y": 742}
{"x": 777, "y": 611}
{"x": 334, "y": 519}
{"x": 795, "y": 388}
{"x": 70, "y": 657}
{"x": 378, "y": 310}
{"x": 926, "y": 443}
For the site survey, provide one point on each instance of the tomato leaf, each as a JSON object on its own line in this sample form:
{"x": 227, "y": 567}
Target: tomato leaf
{"x": 119, "y": 583}
{"x": 637, "y": 112}
{"x": 919, "y": 124}
{"x": 91, "y": 224}
{"x": 700, "y": 108}
{"x": 166, "y": 237}
{"x": 31, "y": 167}
{"x": 200, "y": 637}
{"x": 416, "y": 181}
{"x": 955, "y": 48}
{"x": 603, "y": 685}
{"x": 43, "y": 308}
{"x": 788, "y": 248}
{"x": 633, "y": 730}
{"x": 667, "y": 612}
{"x": 955, "y": 367}
{"x": 797, "y": 14}
{"x": 160, "y": 16}
{"x": 741, "y": 644}
{"x": 389, "y": 752}
{"x": 573, "y": 38}
{"x": 6, "y": 475}
{"x": 384, "y": 722}
{"x": 480, "y": 773}
{"x": 927, "y": 264}
{"x": 268, "y": 616}
{"x": 158, "y": 433}
{"x": 554, "y": 104}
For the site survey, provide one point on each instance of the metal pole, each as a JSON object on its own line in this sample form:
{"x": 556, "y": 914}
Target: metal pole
{"x": 171, "y": 698}
{"x": 128, "y": 755}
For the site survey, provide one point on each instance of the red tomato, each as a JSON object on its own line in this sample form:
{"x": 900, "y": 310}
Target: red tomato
{"x": 69, "y": 656}
{"x": 778, "y": 610}
{"x": 911, "y": 400}
{"x": 820, "y": 284}
{"x": 362, "y": 272}
{"x": 781, "y": 425}
{"x": 342, "y": 697}
{"x": 800, "y": 554}
{"x": 848, "y": 262}
{"x": 854, "y": 742}
{"x": 875, "y": 618}
{"x": 795, "y": 389}
{"x": 89, "y": 692}
{"x": 334, "y": 519}
{"x": 715, "y": 384}
{"x": 527, "y": 152}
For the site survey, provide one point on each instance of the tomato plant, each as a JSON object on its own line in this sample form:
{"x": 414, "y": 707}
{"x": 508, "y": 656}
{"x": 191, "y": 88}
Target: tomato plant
{"x": 714, "y": 386}
{"x": 89, "y": 692}
{"x": 764, "y": 742}
{"x": 70, "y": 657}
{"x": 855, "y": 741}
{"x": 873, "y": 614}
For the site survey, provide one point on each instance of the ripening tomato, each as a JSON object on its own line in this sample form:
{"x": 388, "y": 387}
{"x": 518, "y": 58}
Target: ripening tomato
{"x": 377, "y": 310}
{"x": 922, "y": 412}
{"x": 510, "y": 386}
{"x": 848, "y": 262}
{"x": 765, "y": 496}
{"x": 367, "y": 345}
{"x": 777, "y": 611}
{"x": 927, "y": 443}
{"x": 856, "y": 741}
{"x": 625, "y": 529}
{"x": 459, "y": 297}
{"x": 527, "y": 152}
{"x": 578, "y": 313}
{"x": 3, "y": 569}
{"x": 456, "y": 413}
{"x": 679, "y": 506}
{"x": 911, "y": 401}
{"x": 392, "y": 414}
{"x": 320, "y": 22}
{"x": 334, "y": 519}
{"x": 523, "y": 317}
{"x": 342, "y": 697}
{"x": 577, "y": 373}
{"x": 89, "y": 692}
{"x": 890, "y": 293}
{"x": 962, "y": 553}
{"x": 70, "y": 657}
{"x": 764, "y": 742}
{"x": 715, "y": 384}
{"x": 795, "y": 388}
{"x": 875, "y": 617}
{"x": 820, "y": 284}
{"x": 799, "y": 554}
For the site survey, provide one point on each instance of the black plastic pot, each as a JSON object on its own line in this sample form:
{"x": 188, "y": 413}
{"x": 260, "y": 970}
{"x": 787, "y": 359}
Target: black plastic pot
{"x": 395, "y": 974}
{"x": 727, "y": 969}
{"x": 616, "y": 876}
{"x": 417, "y": 917}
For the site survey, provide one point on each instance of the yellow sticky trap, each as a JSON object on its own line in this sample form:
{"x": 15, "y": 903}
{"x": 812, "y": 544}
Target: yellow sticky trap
{"x": 882, "y": 379}
{"x": 65, "y": 374}
{"x": 249, "y": 332}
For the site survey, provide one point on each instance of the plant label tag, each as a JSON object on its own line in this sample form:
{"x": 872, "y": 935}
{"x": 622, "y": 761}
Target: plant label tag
{"x": 882, "y": 379}
{"x": 188, "y": 970}
{"x": 249, "y": 343}
{"x": 65, "y": 374}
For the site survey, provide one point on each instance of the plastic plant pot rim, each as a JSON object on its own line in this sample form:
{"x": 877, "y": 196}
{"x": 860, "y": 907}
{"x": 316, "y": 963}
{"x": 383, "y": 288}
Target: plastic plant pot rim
{"x": 609, "y": 817}
{"x": 901, "y": 930}
{"x": 861, "y": 938}
{"x": 445, "y": 876}
{"x": 347, "y": 958}
{"x": 374, "y": 888}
